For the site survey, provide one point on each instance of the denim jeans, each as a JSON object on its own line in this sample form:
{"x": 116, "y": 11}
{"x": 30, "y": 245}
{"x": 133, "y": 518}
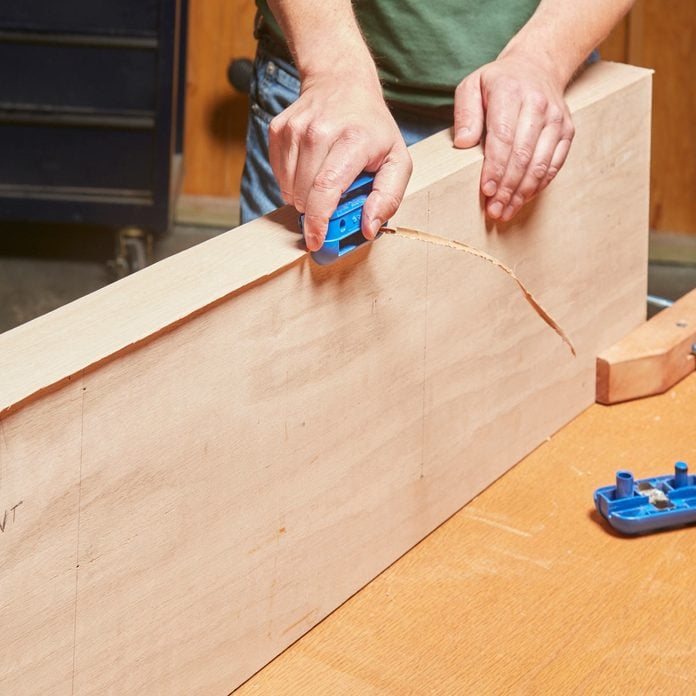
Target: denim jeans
{"x": 274, "y": 86}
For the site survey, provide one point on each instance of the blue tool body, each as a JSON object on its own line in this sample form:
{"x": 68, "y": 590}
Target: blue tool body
{"x": 646, "y": 505}
{"x": 344, "y": 232}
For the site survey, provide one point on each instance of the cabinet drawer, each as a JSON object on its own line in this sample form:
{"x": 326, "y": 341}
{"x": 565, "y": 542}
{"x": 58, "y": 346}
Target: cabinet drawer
{"x": 94, "y": 77}
{"x": 92, "y": 16}
{"x": 83, "y": 157}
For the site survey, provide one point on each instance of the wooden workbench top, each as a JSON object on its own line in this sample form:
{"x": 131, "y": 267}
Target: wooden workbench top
{"x": 525, "y": 590}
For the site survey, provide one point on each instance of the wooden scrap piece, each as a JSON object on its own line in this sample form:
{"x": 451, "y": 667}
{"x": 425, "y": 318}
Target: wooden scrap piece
{"x": 652, "y": 358}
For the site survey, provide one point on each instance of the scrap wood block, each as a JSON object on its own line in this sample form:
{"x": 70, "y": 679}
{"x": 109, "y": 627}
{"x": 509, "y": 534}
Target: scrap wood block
{"x": 652, "y": 358}
{"x": 201, "y": 461}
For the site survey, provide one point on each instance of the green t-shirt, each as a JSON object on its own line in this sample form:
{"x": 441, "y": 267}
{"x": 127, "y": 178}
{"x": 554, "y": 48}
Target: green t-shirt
{"x": 424, "y": 49}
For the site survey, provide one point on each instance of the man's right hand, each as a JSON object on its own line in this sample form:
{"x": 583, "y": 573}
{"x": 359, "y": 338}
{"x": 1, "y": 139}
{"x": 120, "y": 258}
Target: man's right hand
{"x": 319, "y": 145}
{"x": 339, "y": 126}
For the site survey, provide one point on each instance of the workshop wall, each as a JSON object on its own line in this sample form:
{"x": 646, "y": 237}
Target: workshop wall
{"x": 663, "y": 37}
{"x": 219, "y": 30}
{"x": 659, "y": 34}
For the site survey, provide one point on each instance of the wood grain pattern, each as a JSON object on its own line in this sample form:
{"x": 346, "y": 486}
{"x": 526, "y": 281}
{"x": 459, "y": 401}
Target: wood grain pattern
{"x": 525, "y": 590}
{"x": 216, "y": 115}
{"x": 211, "y": 472}
{"x": 652, "y": 358}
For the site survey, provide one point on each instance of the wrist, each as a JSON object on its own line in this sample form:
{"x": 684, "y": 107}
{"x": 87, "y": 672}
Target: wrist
{"x": 559, "y": 71}
{"x": 325, "y": 40}
{"x": 346, "y": 60}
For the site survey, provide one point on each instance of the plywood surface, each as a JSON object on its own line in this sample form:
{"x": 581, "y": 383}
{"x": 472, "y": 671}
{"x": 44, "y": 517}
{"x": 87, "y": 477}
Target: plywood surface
{"x": 162, "y": 296}
{"x": 525, "y": 590}
{"x": 214, "y": 453}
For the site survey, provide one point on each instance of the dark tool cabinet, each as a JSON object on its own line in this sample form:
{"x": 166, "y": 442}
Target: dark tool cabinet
{"x": 91, "y": 110}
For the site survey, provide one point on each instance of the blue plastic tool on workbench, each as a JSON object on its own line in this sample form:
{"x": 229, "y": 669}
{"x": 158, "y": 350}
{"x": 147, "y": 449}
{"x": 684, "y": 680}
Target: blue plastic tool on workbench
{"x": 646, "y": 505}
{"x": 344, "y": 232}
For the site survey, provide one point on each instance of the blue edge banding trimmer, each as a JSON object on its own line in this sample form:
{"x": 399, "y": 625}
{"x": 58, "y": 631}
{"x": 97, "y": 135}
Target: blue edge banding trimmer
{"x": 649, "y": 504}
{"x": 344, "y": 232}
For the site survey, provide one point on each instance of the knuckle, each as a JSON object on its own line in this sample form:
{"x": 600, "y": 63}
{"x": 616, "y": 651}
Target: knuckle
{"x": 504, "y": 132}
{"x": 511, "y": 85}
{"x": 466, "y": 115}
{"x": 275, "y": 129}
{"x": 294, "y": 125}
{"x": 390, "y": 202}
{"x": 352, "y": 135}
{"x": 517, "y": 201}
{"x": 538, "y": 101}
{"x": 527, "y": 189}
{"x": 539, "y": 170}
{"x": 521, "y": 156}
{"x": 494, "y": 170}
{"x": 569, "y": 132}
{"x": 504, "y": 195}
{"x": 408, "y": 164}
{"x": 316, "y": 219}
{"x": 316, "y": 133}
{"x": 551, "y": 173}
{"x": 555, "y": 116}
{"x": 469, "y": 85}
{"x": 461, "y": 87}
{"x": 399, "y": 159}
{"x": 326, "y": 180}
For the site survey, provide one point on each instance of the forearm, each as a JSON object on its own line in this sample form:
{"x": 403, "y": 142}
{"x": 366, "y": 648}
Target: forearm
{"x": 562, "y": 33}
{"x": 324, "y": 38}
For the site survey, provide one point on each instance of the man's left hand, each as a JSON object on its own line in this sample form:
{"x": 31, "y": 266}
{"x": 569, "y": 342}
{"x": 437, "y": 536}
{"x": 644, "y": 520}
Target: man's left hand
{"x": 528, "y": 129}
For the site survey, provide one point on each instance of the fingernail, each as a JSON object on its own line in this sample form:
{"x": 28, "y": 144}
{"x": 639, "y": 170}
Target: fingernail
{"x": 489, "y": 188}
{"x": 463, "y": 132}
{"x": 310, "y": 241}
{"x": 375, "y": 226}
{"x": 495, "y": 209}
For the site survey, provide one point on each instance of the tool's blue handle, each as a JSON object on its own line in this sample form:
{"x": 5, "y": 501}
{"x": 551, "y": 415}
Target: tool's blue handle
{"x": 344, "y": 233}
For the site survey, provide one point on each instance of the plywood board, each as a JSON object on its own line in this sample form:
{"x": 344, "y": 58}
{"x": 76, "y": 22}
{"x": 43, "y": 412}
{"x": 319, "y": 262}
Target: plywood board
{"x": 214, "y": 453}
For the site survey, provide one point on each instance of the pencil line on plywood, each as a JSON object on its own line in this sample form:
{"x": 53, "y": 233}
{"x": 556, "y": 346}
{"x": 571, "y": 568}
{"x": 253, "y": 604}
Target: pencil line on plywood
{"x": 7, "y": 449}
{"x": 425, "y": 341}
{"x": 77, "y": 544}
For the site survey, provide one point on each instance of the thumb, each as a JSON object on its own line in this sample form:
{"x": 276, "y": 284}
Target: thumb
{"x": 387, "y": 192}
{"x": 468, "y": 111}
